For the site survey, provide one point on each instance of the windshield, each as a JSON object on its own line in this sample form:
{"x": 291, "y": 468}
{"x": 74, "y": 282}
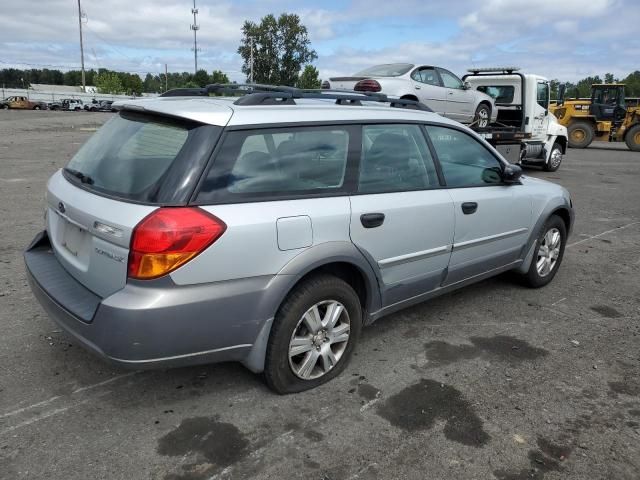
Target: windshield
{"x": 135, "y": 156}
{"x": 387, "y": 70}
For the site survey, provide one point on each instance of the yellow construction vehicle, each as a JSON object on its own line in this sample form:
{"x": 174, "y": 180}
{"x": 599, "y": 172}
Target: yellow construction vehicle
{"x": 604, "y": 118}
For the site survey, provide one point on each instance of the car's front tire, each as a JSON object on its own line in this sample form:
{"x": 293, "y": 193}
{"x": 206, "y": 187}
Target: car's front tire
{"x": 549, "y": 253}
{"x": 313, "y": 336}
{"x": 482, "y": 117}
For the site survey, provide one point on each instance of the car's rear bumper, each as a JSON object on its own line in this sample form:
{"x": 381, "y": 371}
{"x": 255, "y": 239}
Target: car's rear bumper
{"x": 155, "y": 323}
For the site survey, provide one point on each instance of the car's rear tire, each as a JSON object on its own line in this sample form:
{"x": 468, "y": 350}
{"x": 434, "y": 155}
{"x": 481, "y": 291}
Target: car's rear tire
{"x": 555, "y": 158}
{"x": 482, "y": 117}
{"x": 5, "y": 107}
{"x": 313, "y": 336}
{"x": 580, "y": 134}
{"x": 632, "y": 138}
{"x": 548, "y": 254}
{"x": 37, "y": 107}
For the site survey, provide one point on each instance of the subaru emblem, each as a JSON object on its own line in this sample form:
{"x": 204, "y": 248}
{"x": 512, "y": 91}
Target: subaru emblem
{"x": 61, "y": 207}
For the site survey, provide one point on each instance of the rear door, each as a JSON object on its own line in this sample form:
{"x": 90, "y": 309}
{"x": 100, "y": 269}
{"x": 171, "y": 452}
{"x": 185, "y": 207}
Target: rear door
{"x": 460, "y": 101}
{"x": 492, "y": 220}
{"x": 133, "y": 164}
{"x": 401, "y": 219}
{"x": 426, "y": 83}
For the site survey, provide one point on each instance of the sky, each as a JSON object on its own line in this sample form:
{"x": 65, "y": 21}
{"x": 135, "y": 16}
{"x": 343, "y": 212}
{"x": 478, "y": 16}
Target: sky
{"x": 563, "y": 39}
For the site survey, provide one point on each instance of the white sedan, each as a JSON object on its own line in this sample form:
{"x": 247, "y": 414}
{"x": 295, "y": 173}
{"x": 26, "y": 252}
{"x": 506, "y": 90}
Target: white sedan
{"x": 436, "y": 87}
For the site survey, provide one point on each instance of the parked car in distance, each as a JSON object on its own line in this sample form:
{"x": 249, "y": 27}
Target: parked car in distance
{"x": 94, "y": 106}
{"x": 436, "y": 87}
{"x": 71, "y": 104}
{"x": 269, "y": 229}
{"x": 22, "y": 103}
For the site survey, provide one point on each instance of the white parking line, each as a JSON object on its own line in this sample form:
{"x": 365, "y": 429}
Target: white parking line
{"x": 53, "y": 399}
{"x": 603, "y": 233}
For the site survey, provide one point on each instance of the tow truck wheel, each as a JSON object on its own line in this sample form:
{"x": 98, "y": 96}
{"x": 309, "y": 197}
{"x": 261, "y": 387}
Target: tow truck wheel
{"x": 632, "y": 138}
{"x": 580, "y": 134}
{"x": 555, "y": 159}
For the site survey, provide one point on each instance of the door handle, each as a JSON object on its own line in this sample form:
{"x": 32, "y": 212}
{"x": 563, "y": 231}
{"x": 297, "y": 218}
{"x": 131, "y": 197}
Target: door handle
{"x": 450, "y": 93}
{"x": 372, "y": 220}
{"x": 418, "y": 87}
{"x": 469, "y": 207}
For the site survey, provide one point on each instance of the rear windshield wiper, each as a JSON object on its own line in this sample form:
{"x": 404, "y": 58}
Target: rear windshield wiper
{"x": 79, "y": 175}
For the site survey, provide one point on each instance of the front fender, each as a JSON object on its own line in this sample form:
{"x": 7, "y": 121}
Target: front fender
{"x": 542, "y": 213}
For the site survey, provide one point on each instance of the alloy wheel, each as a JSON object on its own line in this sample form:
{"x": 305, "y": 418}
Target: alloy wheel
{"x": 548, "y": 252}
{"x": 319, "y": 340}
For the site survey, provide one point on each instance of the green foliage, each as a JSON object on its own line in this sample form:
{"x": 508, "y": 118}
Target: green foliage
{"x": 219, "y": 77}
{"x": 201, "y": 78}
{"x": 280, "y": 48}
{"x": 109, "y": 82}
{"x": 309, "y": 78}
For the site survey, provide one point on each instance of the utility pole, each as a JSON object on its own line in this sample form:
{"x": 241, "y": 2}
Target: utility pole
{"x": 166, "y": 78}
{"x": 84, "y": 89}
{"x": 195, "y": 27}
{"x": 251, "y": 63}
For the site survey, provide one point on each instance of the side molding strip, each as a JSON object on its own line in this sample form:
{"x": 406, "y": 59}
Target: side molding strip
{"x": 412, "y": 257}
{"x": 490, "y": 238}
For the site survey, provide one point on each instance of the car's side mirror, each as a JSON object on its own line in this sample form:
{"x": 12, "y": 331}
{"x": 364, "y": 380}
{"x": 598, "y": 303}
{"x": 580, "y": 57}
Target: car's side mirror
{"x": 511, "y": 174}
{"x": 466, "y": 86}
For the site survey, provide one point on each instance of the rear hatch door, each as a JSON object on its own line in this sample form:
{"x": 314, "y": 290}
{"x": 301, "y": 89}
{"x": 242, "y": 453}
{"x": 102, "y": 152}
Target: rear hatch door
{"x": 133, "y": 165}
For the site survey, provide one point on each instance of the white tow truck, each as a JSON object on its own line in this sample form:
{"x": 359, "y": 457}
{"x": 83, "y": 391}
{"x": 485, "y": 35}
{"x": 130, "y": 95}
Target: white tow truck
{"x": 525, "y": 131}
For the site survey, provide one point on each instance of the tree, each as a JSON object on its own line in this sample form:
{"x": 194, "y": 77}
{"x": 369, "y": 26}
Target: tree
{"x": 309, "y": 78}
{"x": 632, "y": 84}
{"x": 109, "y": 82}
{"x": 201, "y": 78}
{"x": 280, "y": 47}
{"x": 217, "y": 76}
{"x": 609, "y": 78}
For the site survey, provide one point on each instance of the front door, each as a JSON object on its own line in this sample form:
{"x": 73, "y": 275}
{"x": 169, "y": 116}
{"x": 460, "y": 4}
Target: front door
{"x": 460, "y": 101}
{"x": 540, "y": 122}
{"x": 491, "y": 219}
{"x": 426, "y": 85}
{"x": 401, "y": 219}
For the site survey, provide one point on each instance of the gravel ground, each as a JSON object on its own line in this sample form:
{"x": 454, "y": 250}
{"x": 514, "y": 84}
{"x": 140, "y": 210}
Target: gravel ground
{"x": 495, "y": 381}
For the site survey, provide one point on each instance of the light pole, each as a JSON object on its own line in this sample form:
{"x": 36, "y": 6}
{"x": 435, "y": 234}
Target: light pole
{"x": 81, "y": 46}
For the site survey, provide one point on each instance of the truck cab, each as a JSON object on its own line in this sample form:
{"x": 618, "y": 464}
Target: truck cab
{"x": 522, "y": 101}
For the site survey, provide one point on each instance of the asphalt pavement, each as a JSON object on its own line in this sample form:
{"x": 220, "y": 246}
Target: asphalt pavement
{"x": 495, "y": 381}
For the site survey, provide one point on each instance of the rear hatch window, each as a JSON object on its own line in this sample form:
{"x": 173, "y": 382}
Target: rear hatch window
{"x": 143, "y": 158}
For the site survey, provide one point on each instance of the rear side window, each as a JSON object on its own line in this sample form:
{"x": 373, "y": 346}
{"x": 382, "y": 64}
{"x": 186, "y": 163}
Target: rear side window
{"x": 278, "y": 163}
{"x": 395, "y": 158}
{"x": 464, "y": 160}
{"x": 132, "y": 154}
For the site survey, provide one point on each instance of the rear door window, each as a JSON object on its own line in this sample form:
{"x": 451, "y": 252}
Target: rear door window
{"x": 395, "y": 158}
{"x": 132, "y": 155}
{"x": 278, "y": 163}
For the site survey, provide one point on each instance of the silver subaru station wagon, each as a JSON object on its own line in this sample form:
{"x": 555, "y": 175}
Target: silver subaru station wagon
{"x": 270, "y": 228}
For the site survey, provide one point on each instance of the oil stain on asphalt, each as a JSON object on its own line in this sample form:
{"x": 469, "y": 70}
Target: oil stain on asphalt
{"x": 606, "y": 311}
{"x": 217, "y": 442}
{"x": 546, "y": 459}
{"x": 502, "y": 347}
{"x": 418, "y": 406}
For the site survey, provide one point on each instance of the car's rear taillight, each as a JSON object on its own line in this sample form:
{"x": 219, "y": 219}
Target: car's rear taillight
{"x": 367, "y": 86}
{"x": 170, "y": 237}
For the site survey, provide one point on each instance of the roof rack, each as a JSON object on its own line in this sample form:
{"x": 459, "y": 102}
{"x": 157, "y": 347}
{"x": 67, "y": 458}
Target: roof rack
{"x": 510, "y": 69}
{"x": 259, "y": 94}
